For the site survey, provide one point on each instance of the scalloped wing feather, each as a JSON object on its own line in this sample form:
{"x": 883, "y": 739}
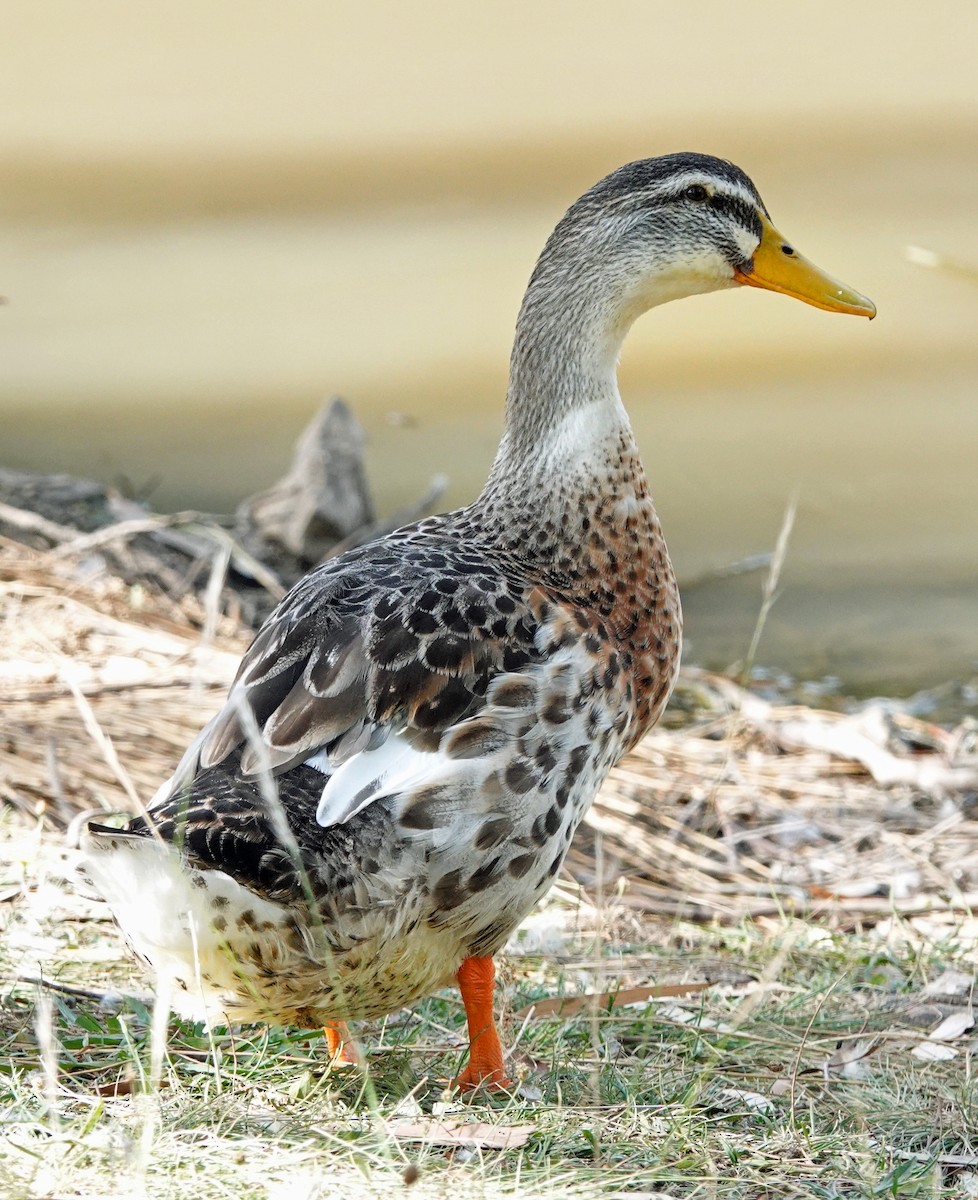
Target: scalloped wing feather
{"x": 406, "y": 634}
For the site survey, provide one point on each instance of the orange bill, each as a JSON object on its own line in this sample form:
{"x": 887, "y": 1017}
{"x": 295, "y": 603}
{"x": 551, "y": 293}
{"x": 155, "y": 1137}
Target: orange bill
{"x": 779, "y": 267}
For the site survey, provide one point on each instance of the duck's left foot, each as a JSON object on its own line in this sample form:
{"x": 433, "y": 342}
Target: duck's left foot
{"x": 475, "y": 1078}
{"x": 342, "y": 1048}
{"x": 477, "y": 982}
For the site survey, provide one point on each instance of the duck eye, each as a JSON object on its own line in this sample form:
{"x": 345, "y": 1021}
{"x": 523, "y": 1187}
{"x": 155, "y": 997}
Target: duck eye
{"x": 696, "y": 193}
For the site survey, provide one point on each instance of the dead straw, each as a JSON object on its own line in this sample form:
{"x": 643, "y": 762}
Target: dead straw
{"x": 753, "y": 809}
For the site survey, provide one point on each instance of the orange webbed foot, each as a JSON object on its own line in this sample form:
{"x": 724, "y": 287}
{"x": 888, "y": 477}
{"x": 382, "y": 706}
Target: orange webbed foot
{"x": 342, "y": 1048}
{"x": 477, "y": 982}
{"x": 476, "y": 1079}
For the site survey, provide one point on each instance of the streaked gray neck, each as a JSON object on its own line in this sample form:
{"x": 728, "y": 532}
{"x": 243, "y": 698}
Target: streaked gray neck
{"x": 563, "y": 410}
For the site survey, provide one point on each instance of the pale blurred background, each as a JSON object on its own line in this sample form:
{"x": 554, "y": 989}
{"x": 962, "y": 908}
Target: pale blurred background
{"x": 217, "y": 212}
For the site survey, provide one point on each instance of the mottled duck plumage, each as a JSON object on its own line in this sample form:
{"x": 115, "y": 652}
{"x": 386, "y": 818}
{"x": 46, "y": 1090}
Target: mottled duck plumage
{"x": 418, "y": 729}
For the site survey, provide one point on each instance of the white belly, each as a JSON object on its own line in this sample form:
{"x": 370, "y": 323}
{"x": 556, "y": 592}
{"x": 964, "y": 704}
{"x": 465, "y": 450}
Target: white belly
{"x": 229, "y": 956}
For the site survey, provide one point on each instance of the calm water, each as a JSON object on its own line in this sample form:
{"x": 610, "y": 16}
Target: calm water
{"x": 186, "y": 283}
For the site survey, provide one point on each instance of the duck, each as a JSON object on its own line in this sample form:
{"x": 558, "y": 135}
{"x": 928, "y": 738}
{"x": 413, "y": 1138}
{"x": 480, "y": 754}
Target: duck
{"x": 416, "y": 732}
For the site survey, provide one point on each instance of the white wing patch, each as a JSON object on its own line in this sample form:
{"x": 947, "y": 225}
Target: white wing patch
{"x": 394, "y": 767}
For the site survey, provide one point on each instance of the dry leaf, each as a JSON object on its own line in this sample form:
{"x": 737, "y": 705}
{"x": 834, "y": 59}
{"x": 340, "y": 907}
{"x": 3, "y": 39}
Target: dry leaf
{"x": 568, "y": 1006}
{"x": 639, "y": 1196}
{"x": 753, "y": 1101}
{"x": 933, "y": 1052}
{"x": 953, "y": 1026}
{"x": 462, "y": 1133}
{"x": 129, "y": 1085}
{"x": 950, "y": 983}
{"x": 922, "y": 1016}
{"x": 117, "y": 1087}
{"x": 854, "y": 889}
{"x": 858, "y": 739}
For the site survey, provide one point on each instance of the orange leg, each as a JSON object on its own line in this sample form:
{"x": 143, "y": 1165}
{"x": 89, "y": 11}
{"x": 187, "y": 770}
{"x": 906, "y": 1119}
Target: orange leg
{"x": 477, "y": 982}
{"x": 342, "y": 1048}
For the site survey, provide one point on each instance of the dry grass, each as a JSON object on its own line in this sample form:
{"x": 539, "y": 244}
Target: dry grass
{"x": 789, "y": 891}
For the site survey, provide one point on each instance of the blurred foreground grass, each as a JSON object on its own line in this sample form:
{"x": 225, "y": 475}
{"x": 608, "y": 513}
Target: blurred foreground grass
{"x": 808, "y": 1063}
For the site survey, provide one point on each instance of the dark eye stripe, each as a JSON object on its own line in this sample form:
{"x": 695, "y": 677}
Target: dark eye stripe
{"x": 743, "y": 213}
{"x": 605, "y": 199}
